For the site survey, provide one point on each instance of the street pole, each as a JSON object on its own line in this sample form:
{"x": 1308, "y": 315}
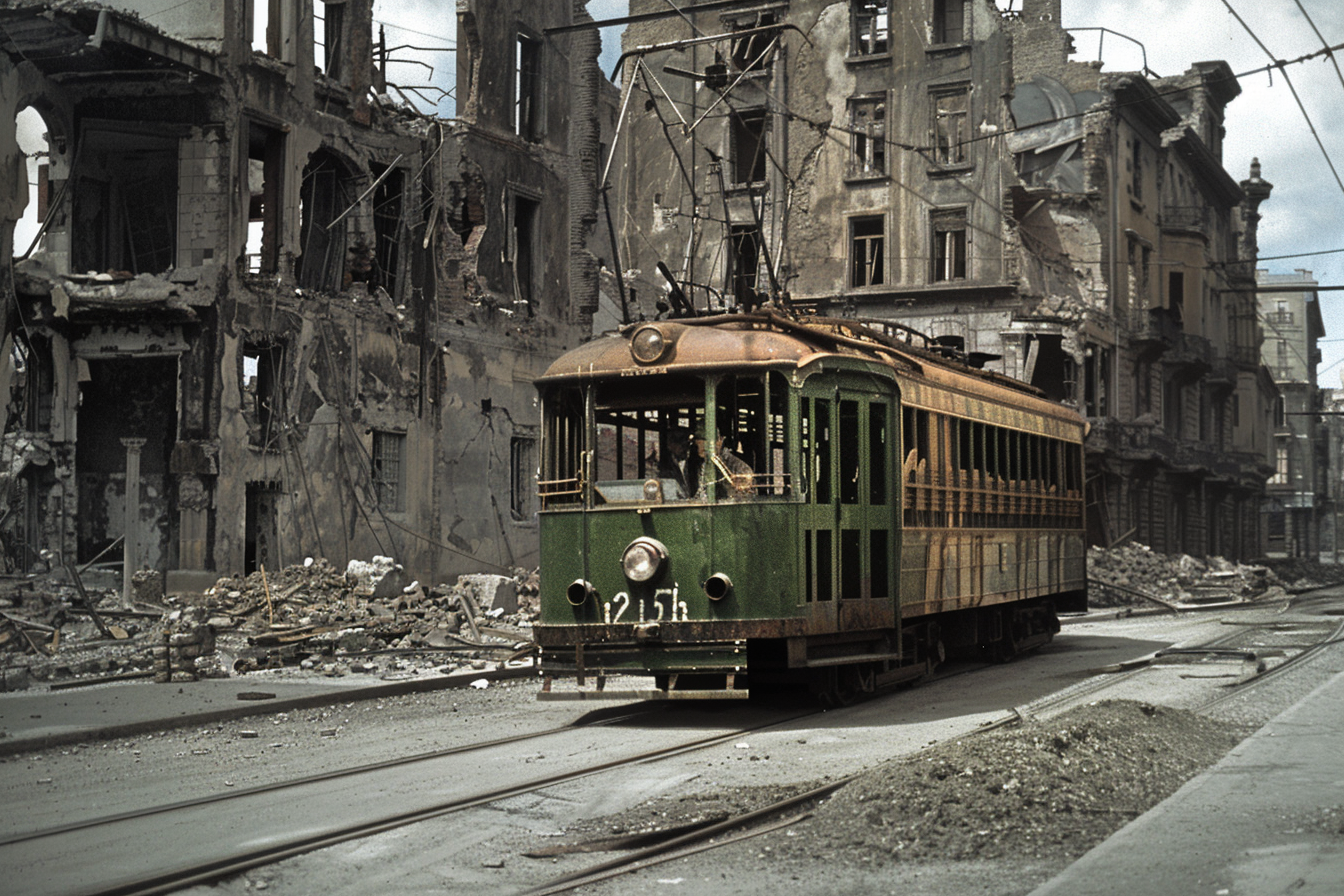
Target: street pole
{"x": 131, "y": 539}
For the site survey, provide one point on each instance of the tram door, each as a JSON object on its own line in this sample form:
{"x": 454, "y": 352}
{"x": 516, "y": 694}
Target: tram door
{"x": 848, "y": 532}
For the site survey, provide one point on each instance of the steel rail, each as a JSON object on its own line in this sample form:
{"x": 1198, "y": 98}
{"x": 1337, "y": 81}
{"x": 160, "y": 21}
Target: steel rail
{"x": 189, "y": 875}
{"x": 277, "y": 786}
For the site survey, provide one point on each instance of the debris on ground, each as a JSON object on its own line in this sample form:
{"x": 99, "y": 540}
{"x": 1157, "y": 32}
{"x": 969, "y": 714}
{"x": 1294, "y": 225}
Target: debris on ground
{"x": 1135, "y": 575}
{"x": 367, "y": 618}
{"x": 1045, "y": 789}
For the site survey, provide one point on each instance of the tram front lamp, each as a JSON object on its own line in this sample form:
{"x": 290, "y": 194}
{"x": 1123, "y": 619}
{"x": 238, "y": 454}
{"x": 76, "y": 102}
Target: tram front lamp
{"x": 653, "y": 491}
{"x": 648, "y": 344}
{"x": 643, "y": 559}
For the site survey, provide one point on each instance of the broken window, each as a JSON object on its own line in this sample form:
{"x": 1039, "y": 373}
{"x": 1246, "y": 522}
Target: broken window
{"x": 748, "y": 146}
{"x": 389, "y": 460}
{"x": 754, "y": 52}
{"x": 949, "y": 244}
{"x": 950, "y": 111}
{"x": 31, "y": 135}
{"x": 746, "y": 249}
{"x": 525, "y": 251}
{"x": 387, "y": 207}
{"x": 870, "y": 28}
{"x": 259, "y": 22}
{"x": 868, "y": 136}
{"x": 1176, "y": 295}
{"x": 527, "y": 88}
{"x": 261, "y": 526}
{"x": 125, "y": 208}
{"x": 949, "y": 21}
{"x": 326, "y": 192}
{"x": 522, "y": 471}
{"x": 1096, "y": 381}
{"x": 1137, "y": 164}
{"x": 866, "y": 249}
{"x": 265, "y": 162}
{"x": 262, "y": 395}
{"x": 328, "y": 36}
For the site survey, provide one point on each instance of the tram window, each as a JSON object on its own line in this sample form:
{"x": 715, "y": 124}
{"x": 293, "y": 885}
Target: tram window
{"x": 877, "y": 453}
{"x": 850, "y": 472}
{"x": 851, "y": 564}
{"x": 810, "y": 586}
{"x": 821, "y": 461}
{"x": 881, "y": 563}
{"x": 753, "y": 422}
{"x": 562, "y": 448}
{"x": 777, "y": 437}
{"x": 824, "y": 564}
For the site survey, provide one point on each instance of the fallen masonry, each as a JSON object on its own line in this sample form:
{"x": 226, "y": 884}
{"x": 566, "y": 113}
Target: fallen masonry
{"x": 365, "y": 619}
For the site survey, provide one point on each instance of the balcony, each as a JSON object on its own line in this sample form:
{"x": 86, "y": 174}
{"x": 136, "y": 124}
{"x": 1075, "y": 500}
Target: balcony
{"x": 1154, "y": 330}
{"x": 1188, "y": 219}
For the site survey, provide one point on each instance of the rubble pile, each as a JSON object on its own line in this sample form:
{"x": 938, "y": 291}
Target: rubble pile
{"x": 312, "y": 615}
{"x": 1136, "y": 575}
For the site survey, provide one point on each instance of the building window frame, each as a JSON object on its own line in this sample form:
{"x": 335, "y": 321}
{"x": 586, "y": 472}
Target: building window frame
{"x": 523, "y": 478}
{"x": 867, "y": 136}
{"x": 949, "y": 126}
{"x": 527, "y": 86}
{"x": 951, "y": 244}
{"x": 870, "y": 28}
{"x": 749, "y": 130}
{"x": 867, "y": 251}
{"x": 387, "y": 470}
{"x": 951, "y": 22}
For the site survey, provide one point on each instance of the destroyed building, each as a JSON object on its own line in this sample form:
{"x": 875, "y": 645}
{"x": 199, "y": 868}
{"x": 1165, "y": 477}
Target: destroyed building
{"x": 301, "y": 312}
{"x": 943, "y": 165}
{"x": 1297, "y": 499}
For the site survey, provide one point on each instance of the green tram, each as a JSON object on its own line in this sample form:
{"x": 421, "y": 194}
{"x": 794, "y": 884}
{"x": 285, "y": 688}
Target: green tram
{"x": 759, "y": 501}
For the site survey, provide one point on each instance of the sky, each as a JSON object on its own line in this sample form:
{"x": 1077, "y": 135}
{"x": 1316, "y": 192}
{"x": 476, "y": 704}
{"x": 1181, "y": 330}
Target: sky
{"x": 1305, "y": 213}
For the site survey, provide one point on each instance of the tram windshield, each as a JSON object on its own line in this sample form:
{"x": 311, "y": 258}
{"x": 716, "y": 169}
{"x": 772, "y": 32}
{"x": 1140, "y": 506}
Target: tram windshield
{"x": 668, "y": 439}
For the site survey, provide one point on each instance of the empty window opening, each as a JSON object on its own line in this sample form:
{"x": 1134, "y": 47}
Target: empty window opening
{"x": 125, "y": 208}
{"x": 31, "y": 135}
{"x": 754, "y": 52}
{"x": 259, "y": 17}
{"x": 868, "y": 136}
{"x": 871, "y": 22}
{"x": 265, "y": 161}
{"x": 949, "y": 245}
{"x": 748, "y": 146}
{"x": 522, "y": 477}
{"x": 389, "y": 461}
{"x": 527, "y": 89}
{"x": 327, "y": 191}
{"x": 1050, "y": 368}
{"x": 1137, "y": 165}
{"x": 525, "y": 251}
{"x": 126, "y": 398}
{"x": 949, "y": 21}
{"x": 746, "y": 257}
{"x": 387, "y": 211}
{"x": 1097, "y": 381}
{"x": 261, "y": 527}
{"x": 328, "y": 36}
{"x": 1176, "y": 295}
{"x": 866, "y": 249}
{"x": 950, "y": 112}
{"x": 262, "y": 395}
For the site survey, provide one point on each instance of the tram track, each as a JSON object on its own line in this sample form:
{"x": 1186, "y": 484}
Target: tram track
{"x": 765, "y": 819}
{"x": 265, "y": 849}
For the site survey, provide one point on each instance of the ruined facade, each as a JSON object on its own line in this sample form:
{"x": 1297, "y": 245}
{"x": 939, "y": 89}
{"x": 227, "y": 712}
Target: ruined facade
{"x": 943, "y": 165}
{"x": 1298, "y": 502}
{"x": 313, "y": 312}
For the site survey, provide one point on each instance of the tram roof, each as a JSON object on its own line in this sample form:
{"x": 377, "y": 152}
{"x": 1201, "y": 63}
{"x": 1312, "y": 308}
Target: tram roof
{"x": 770, "y": 339}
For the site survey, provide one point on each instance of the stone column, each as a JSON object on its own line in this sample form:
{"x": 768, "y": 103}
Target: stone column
{"x": 131, "y": 537}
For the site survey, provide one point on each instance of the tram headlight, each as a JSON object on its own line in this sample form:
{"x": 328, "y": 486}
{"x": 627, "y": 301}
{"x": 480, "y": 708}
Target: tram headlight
{"x": 643, "y": 559}
{"x": 648, "y": 344}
